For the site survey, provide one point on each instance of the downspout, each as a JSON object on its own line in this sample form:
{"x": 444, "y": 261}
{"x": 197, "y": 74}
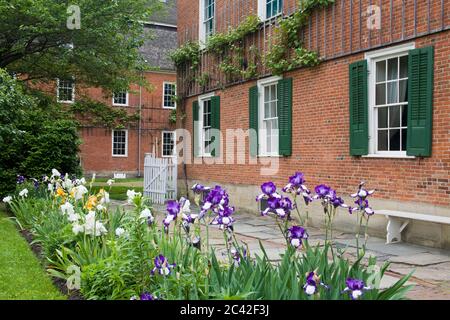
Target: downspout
{"x": 140, "y": 128}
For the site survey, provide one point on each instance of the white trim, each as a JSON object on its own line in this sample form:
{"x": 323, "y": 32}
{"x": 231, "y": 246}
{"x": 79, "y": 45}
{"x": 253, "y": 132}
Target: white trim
{"x": 163, "y": 95}
{"x": 126, "y": 144}
{"x": 201, "y": 99}
{"x": 174, "y": 144}
{"x": 65, "y": 101}
{"x": 120, "y": 104}
{"x": 372, "y": 58}
{"x": 262, "y": 151}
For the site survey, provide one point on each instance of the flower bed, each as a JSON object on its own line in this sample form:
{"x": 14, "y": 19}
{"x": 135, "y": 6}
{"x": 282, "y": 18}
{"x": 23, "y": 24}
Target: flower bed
{"x": 107, "y": 253}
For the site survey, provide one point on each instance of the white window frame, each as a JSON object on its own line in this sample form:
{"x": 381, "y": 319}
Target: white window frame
{"x": 372, "y": 58}
{"x": 202, "y": 30}
{"x": 262, "y": 134}
{"x": 57, "y": 93}
{"x": 262, "y": 10}
{"x": 126, "y": 104}
{"x": 174, "y": 143}
{"x": 164, "y": 95}
{"x": 201, "y": 100}
{"x": 126, "y": 144}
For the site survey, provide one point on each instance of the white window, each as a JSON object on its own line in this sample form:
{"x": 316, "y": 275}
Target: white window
{"x": 205, "y": 119}
{"x": 169, "y": 94}
{"x": 268, "y": 9}
{"x": 207, "y": 19}
{"x": 120, "y": 98}
{"x": 120, "y": 143}
{"x": 388, "y": 101}
{"x": 268, "y": 116}
{"x": 168, "y": 143}
{"x": 65, "y": 92}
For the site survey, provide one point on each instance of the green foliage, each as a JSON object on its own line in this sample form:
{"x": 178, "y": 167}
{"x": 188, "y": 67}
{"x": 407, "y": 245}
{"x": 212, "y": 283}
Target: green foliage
{"x": 189, "y": 53}
{"x": 100, "y": 114}
{"x": 21, "y": 275}
{"x": 36, "y": 135}
{"x": 287, "y": 39}
{"x": 103, "y": 52}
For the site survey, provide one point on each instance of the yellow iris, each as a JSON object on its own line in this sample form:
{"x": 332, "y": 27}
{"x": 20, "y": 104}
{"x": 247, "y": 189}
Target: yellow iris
{"x": 60, "y": 192}
{"x": 91, "y": 203}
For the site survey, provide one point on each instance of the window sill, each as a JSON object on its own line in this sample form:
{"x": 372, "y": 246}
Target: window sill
{"x": 114, "y": 156}
{"x": 120, "y": 105}
{"x": 270, "y": 156}
{"x": 389, "y": 156}
{"x": 169, "y": 108}
{"x": 66, "y": 102}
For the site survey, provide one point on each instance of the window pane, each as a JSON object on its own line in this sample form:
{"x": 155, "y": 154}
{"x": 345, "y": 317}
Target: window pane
{"x": 404, "y": 116}
{"x": 383, "y": 117}
{"x": 403, "y": 91}
{"x": 380, "y": 94}
{"x": 394, "y": 117}
{"x": 404, "y": 67}
{"x": 394, "y": 140}
{"x": 393, "y": 69}
{"x": 273, "y": 92}
{"x": 392, "y": 92}
{"x": 383, "y": 140}
{"x": 381, "y": 71}
{"x": 404, "y": 139}
{"x": 267, "y": 110}
{"x": 266, "y": 94}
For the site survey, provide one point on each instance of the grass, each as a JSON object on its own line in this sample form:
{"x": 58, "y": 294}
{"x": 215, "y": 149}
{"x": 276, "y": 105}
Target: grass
{"x": 117, "y": 192}
{"x": 128, "y": 180}
{"x": 22, "y": 276}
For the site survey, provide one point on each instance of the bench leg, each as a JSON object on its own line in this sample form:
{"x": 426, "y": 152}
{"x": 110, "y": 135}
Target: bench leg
{"x": 394, "y": 228}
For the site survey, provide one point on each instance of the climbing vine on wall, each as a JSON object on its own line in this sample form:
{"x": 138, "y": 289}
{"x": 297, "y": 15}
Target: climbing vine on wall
{"x": 287, "y": 52}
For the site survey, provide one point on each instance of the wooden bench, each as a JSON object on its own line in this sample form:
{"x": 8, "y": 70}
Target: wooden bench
{"x": 398, "y": 220}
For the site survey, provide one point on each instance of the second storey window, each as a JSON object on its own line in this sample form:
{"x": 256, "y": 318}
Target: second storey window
{"x": 269, "y": 8}
{"x": 168, "y": 143}
{"x": 120, "y": 143}
{"x": 65, "y": 91}
{"x": 169, "y": 93}
{"x": 120, "y": 98}
{"x": 207, "y": 19}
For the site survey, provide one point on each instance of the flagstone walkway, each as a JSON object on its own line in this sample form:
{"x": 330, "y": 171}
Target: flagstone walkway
{"x": 431, "y": 266}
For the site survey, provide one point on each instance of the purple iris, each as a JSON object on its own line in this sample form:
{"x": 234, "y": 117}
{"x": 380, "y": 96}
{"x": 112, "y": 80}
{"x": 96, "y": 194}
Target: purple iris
{"x": 148, "y": 296}
{"x": 162, "y": 266}
{"x": 336, "y": 201}
{"x": 224, "y": 218}
{"x": 312, "y": 282}
{"x": 198, "y": 188}
{"x": 355, "y": 288}
{"x": 282, "y": 207}
{"x": 362, "y": 193}
{"x": 269, "y": 189}
{"x": 362, "y": 204}
{"x": 322, "y": 191}
{"x": 173, "y": 207}
{"x": 236, "y": 255}
{"x": 296, "y": 236}
{"x": 20, "y": 179}
{"x": 35, "y": 183}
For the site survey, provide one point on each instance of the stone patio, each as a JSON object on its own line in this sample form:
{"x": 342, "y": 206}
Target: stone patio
{"x": 431, "y": 278}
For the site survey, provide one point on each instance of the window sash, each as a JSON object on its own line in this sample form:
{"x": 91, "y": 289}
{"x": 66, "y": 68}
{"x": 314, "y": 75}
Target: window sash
{"x": 65, "y": 91}
{"x": 168, "y": 144}
{"x": 169, "y": 92}
{"x": 120, "y": 98}
{"x": 120, "y": 143}
{"x": 269, "y": 132}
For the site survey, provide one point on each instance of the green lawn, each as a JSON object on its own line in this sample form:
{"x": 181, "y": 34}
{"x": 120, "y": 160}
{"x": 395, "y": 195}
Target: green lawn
{"x": 117, "y": 192}
{"x": 22, "y": 276}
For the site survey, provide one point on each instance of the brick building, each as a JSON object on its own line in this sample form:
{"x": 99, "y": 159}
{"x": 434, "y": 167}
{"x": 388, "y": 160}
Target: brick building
{"x": 377, "y": 107}
{"x": 105, "y": 151}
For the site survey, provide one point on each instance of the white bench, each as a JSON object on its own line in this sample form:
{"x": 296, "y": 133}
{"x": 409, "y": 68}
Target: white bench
{"x": 398, "y": 220}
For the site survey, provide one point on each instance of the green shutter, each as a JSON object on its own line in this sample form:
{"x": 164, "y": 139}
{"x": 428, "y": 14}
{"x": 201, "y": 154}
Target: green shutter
{"x": 215, "y": 124}
{"x": 420, "y": 101}
{"x": 195, "y": 129}
{"x": 253, "y": 120}
{"x": 359, "y": 109}
{"x": 285, "y": 116}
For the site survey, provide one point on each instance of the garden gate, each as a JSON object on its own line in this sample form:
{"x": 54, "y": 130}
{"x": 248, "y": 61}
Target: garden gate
{"x": 160, "y": 178}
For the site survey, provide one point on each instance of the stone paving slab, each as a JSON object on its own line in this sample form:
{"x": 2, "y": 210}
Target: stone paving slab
{"x": 434, "y": 273}
{"x": 379, "y": 245}
{"x": 422, "y": 259}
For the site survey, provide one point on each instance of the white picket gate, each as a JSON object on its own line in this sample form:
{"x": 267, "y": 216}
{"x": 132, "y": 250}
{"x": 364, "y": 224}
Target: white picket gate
{"x": 160, "y": 178}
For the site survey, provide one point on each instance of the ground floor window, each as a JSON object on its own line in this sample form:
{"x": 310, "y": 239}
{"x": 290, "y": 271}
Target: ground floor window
{"x": 168, "y": 143}
{"x": 268, "y": 117}
{"x": 120, "y": 143}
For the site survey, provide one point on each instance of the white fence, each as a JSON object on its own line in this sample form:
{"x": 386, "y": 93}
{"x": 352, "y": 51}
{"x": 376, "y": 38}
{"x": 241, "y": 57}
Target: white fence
{"x": 160, "y": 178}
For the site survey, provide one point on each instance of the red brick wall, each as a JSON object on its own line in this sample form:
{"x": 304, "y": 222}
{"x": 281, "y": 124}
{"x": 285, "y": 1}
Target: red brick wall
{"x": 96, "y": 150}
{"x": 321, "y": 136}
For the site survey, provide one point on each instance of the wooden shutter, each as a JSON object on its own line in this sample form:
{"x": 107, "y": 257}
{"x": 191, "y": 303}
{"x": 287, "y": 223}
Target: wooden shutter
{"x": 420, "y": 101}
{"x": 215, "y": 124}
{"x": 253, "y": 120}
{"x": 359, "y": 109}
{"x": 195, "y": 129}
{"x": 285, "y": 116}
